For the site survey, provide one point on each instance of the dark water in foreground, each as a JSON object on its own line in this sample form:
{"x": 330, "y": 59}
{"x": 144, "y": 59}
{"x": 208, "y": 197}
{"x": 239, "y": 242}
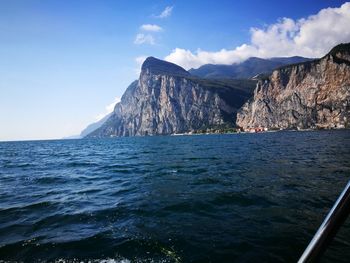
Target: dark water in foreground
{"x": 215, "y": 198}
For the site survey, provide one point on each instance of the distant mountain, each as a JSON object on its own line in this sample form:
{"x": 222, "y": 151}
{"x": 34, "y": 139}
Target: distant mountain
{"x": 313, "y": 94}
{"x": 166, "y": 99}
{"x": 247, "y": 69}
{"x": 90, "y": 128}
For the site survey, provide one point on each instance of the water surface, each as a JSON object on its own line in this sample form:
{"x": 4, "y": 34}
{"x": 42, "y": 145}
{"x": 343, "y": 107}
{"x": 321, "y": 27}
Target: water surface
{"x": 214, "y": 198}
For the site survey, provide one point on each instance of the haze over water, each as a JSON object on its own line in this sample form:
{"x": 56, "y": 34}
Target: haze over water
{"x": 214, "y": 198}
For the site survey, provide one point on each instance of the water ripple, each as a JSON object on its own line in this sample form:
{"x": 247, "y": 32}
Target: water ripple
{"x": 215, "y": 198}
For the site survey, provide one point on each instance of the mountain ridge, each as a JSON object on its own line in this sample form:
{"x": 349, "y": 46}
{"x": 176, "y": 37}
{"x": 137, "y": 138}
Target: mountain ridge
{"x": 246, "y": 69}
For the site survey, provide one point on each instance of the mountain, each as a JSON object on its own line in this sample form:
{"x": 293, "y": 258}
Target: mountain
{"x": 94, "y": 126}
{"x": 247, "y": 69}
{"x": 313, "y": 94}
{"x": 160, "y": 67}
{"x": 166, "y": 99}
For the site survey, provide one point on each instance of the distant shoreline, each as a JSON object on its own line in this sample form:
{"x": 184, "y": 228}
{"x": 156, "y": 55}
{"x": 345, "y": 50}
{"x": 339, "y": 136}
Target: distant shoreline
{"x": 180, "y": 134}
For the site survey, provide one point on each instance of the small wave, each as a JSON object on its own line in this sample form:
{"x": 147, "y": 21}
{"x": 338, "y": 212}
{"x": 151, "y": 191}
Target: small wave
{"x": 195, "y": 171}
{"x": 208, "y": 180}
{"x": 119, "y": 166}
{"x": 192, "y": 158}
{"x": 29, "y": 207}
{"x": 240, "y": 199}
{"x": 107, "y": 260}
{"x": 17, "y": 165}
{"x": 91, "y": 248}
{"x": 111, "y": 260}
{"x": 185, "y": 207}
{"x": 89, "y": 191}
{"x": 132, "y": 157}
{"x": 81, "y": 164}
{"x": 122, "y": 171}
{"x": 49, "y": 180}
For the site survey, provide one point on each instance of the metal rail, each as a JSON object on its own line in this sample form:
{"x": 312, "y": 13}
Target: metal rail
{"x": 329, "y": 227}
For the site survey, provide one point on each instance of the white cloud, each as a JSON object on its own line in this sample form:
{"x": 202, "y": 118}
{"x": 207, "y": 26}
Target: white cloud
{"x": 108, "y": 109}
{"x": 152, "y": 28}
{"x": 313, "y": 36}
{"x": 187, "y": 59}
{"x": 144, "y": 39}
{"x": 166, "y": 12}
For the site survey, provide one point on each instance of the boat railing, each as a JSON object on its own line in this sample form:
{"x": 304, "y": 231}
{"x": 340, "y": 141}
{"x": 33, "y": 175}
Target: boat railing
{"x": 329, "y": 228}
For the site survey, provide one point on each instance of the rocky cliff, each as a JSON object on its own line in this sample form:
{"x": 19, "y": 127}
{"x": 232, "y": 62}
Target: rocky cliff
{"x": 313, "y": 94}
{"x": 166, "y": 99}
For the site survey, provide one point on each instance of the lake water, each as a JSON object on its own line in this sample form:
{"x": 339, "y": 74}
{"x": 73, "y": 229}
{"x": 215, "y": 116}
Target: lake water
{"x": 206, "y": 198}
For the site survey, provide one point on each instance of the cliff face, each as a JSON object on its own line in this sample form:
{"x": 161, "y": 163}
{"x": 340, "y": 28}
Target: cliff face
{"x": 166, "y": 100}
{"x": 313, "y": 94}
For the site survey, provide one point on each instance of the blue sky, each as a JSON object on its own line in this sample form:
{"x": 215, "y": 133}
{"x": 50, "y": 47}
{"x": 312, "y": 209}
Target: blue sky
{"x": 63, "y": 62}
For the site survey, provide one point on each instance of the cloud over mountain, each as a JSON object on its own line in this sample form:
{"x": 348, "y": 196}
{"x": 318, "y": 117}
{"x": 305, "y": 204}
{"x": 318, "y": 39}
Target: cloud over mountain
{"x": 312, "y": 36}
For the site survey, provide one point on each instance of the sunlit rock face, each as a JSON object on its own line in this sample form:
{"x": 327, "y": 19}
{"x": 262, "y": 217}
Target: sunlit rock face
{"x": 166, "y": 99}
{"x": 313, "y": 94}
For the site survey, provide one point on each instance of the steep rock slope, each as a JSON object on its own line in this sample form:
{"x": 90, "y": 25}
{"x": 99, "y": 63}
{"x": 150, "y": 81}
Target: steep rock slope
{"x": 314, "y": 94}
{"x": 167, "y": 99}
